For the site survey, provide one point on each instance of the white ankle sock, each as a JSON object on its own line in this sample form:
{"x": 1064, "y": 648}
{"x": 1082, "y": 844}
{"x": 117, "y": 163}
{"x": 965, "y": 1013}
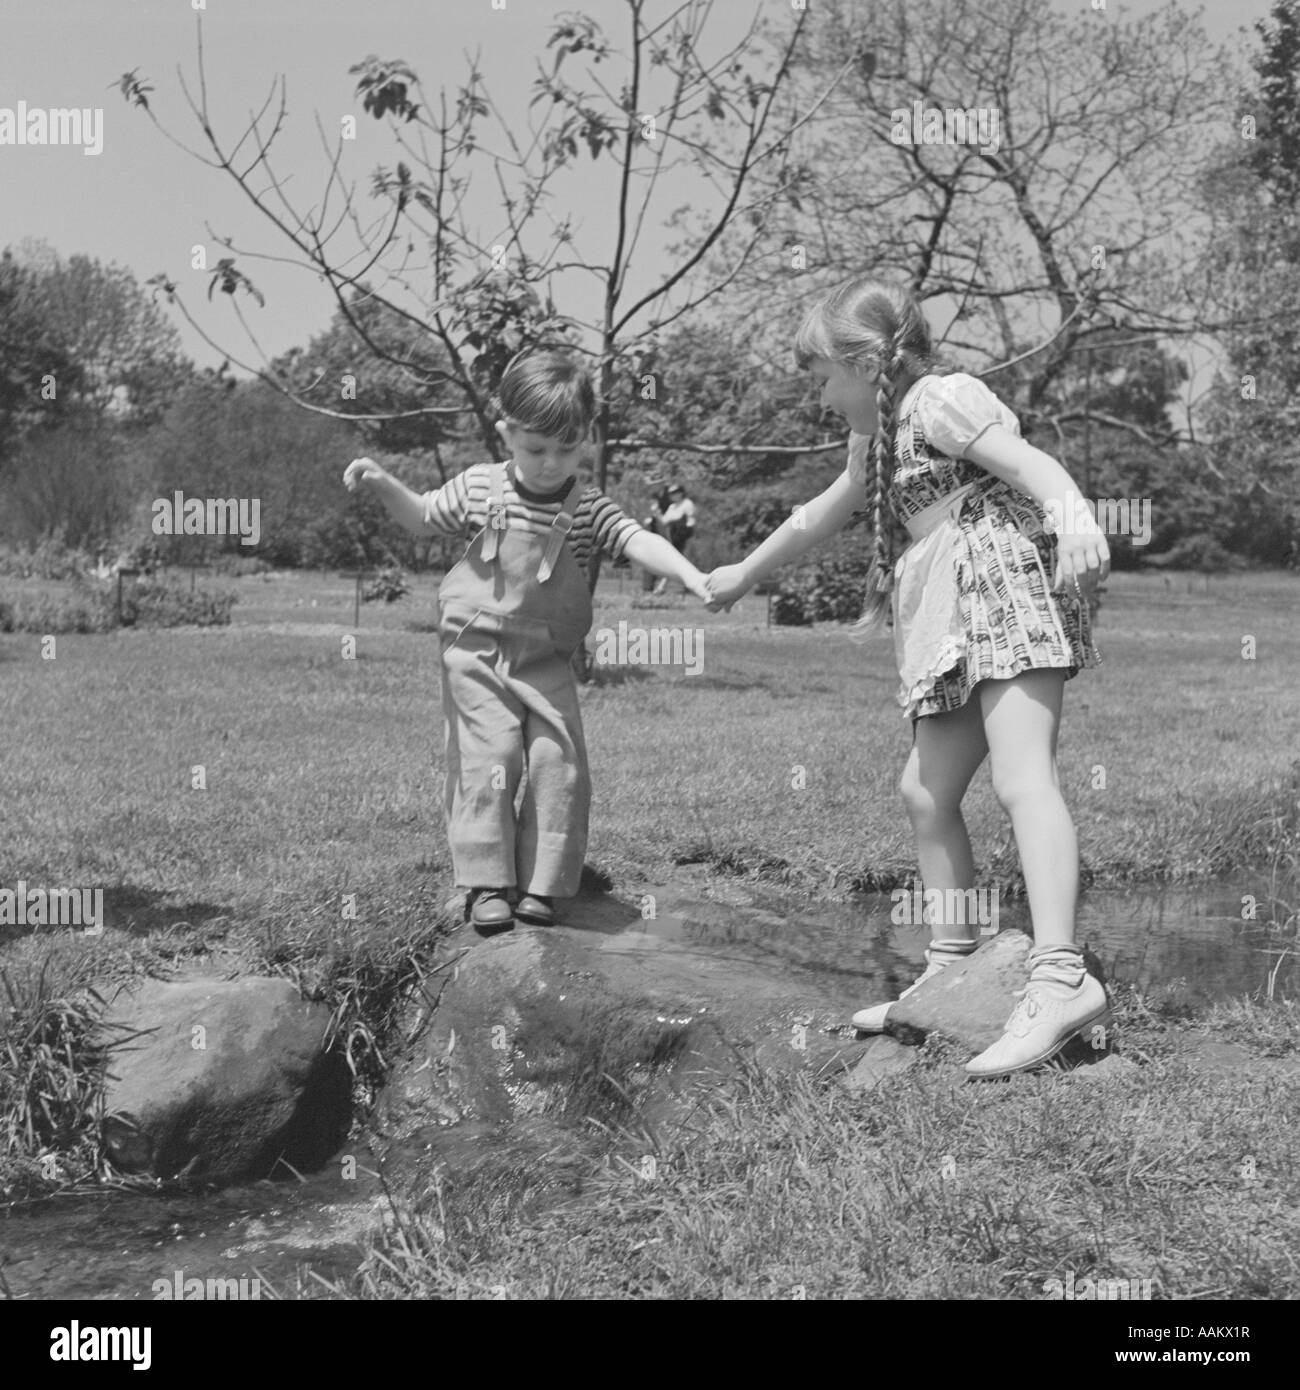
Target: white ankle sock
{"x": 952, "y": 946}
{"x": 1057, "y": 965}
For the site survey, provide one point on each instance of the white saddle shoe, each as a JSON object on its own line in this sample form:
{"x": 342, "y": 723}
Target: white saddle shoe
{"x": 1046, "y": 1018}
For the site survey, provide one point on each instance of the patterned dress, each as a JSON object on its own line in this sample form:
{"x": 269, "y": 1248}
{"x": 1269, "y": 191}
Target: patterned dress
{"x": 1010, "y": 621}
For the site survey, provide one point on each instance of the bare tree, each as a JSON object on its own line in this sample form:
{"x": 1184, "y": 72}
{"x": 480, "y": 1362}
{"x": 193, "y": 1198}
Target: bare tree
{"x": 649, "y": 117}
{"x": 1033, "y": 171}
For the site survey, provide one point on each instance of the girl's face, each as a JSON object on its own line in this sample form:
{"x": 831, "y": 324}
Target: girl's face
{"x": 849, "y": 392}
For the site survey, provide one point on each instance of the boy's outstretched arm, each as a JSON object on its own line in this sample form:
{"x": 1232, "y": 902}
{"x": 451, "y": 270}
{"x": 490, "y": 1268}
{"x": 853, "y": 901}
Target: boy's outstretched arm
{"x": 809, "y": 525}
{"x": 664, "y": 559}
{"x": 404, "y": 506}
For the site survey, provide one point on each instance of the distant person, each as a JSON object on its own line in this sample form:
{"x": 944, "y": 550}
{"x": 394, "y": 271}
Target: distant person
{"x": 678, "y": 522}
{"x": 511, "y": 616}
{"x": 654, "y": 523}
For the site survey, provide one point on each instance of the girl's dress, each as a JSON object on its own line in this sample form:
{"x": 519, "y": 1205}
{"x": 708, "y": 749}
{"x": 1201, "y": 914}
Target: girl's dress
{"x": 972, "y": 592}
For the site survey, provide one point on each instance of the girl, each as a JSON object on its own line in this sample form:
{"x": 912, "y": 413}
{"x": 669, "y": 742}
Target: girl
{"x": 984, "y": 640}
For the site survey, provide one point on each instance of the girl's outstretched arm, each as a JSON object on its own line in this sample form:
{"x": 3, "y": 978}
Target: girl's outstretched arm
{"x": 1082, "y": 553}
{"x": 809, "y": 525}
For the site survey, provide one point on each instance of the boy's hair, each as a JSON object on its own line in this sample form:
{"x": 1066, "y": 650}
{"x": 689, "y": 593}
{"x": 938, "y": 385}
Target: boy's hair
{"x": 549, "y": 393}
{"x": 878, "y": 329}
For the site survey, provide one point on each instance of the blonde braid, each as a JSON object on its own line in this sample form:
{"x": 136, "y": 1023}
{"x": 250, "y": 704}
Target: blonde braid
{"x": 878, "y": 603}
{"x": 867, "y": 325}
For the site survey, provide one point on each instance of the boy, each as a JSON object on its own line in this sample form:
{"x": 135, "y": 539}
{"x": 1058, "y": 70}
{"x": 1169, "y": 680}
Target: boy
{"x": 511, "y": 615}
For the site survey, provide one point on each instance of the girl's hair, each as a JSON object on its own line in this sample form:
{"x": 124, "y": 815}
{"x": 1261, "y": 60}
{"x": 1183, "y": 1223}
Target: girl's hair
{"x": 548, "y": 393}
{"x": 878, "y": 330}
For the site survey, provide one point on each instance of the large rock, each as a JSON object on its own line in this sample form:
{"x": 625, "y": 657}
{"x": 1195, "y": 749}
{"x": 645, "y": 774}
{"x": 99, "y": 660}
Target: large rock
{"x": 221, "y": 1080}
{"x": 582, "y": 1022}
{"x": 969, "y": 1002}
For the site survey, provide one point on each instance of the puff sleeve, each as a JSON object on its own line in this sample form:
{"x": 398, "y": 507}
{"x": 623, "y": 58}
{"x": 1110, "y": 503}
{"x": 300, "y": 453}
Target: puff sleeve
{"x": 955, "y": 410}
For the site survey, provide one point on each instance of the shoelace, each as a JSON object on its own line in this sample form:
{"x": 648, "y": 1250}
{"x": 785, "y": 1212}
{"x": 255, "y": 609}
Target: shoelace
{"x": 1026, "y": 1008}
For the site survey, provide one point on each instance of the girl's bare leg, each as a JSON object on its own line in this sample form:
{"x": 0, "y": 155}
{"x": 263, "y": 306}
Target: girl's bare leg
{"x": 947, "y": 749}
{"x": 1021, "y": 720}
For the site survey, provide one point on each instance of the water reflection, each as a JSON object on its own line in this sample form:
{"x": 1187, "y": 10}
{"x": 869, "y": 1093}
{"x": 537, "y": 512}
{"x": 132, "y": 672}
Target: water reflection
{"x": 1195, "y": 943}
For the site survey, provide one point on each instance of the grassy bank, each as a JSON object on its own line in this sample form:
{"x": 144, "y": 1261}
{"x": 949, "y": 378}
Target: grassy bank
{"x": 1178, "y": 1181}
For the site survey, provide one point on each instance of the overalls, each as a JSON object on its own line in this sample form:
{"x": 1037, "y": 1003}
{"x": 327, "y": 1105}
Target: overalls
{"x": 512, "y": 613}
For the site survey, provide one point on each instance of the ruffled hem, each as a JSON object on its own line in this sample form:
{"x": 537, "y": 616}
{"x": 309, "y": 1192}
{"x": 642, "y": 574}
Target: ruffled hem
{"x": 912, "y": 706}
{"x": 949, "y": 654}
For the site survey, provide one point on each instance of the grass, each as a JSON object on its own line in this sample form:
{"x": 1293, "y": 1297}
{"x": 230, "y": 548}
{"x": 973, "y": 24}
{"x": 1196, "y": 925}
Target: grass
{"x": 251, "y": 801}
{"x": 923, "y": 1188}
{"x": 301, "y": 749}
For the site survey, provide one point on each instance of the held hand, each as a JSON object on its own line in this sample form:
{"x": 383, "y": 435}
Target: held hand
{"x": 699, "y": 586}
{"x": 1082, "y": 557}
{"x": 361, "y": 471}
{"x": 727, "y": 584}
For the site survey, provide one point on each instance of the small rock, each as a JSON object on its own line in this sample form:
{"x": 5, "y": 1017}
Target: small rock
{"x": 884, "y": 1056}
{"x": 1107, "y": 1068}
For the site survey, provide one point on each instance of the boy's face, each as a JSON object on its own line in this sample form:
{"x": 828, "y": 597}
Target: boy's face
{"x": 850, "y": 393}
{"x": 543, "y": 463}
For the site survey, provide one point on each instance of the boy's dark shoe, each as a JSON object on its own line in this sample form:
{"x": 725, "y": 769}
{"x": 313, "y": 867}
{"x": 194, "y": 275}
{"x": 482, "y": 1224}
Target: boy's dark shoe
{"x": 532, "y": 907}
{"x": 489, "y": 907}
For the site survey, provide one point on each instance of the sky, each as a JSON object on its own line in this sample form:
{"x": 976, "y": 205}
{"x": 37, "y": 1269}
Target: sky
{"x": 145, "y": 204}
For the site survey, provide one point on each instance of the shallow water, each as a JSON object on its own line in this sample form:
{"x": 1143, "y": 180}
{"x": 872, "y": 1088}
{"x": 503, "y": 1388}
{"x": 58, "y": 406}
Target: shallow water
{"x": 1188, "y": 944}
{"x": 118, "y": 1244}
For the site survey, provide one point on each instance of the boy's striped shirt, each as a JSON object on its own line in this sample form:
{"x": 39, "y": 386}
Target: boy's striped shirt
{"x": 459, "y": 508}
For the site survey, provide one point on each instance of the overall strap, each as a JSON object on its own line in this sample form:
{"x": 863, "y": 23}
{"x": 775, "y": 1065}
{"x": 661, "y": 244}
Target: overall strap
{"x": 497, "y": 520}
{"x": 560, "y": 529}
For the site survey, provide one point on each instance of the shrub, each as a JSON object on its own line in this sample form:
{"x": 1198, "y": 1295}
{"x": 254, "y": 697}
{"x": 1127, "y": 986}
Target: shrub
{"x": 1199, "y": 552}
{"x": 48, "y": 559}
{"x": 80, "y": 609}
{"x": 155, "y": 603}
{"x": 93, "y": 607}
{"x": 145, "y": 556}
{"x": 831, "y": 589}
{"x": 237, "y": 564}
{"x": 389, "y": 584}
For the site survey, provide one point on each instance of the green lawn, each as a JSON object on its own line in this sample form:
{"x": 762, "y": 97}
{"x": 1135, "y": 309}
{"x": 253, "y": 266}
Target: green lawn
{"x": 323, "y": 775}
